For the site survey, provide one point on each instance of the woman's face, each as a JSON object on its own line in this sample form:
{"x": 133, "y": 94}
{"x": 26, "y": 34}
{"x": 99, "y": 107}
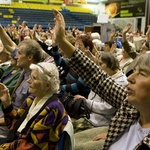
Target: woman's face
{"x": 139, "y": 88}
{"x": 36, "y": 85}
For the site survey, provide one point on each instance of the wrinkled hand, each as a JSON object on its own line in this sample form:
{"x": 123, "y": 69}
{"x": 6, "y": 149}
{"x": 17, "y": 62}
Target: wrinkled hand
{"x": 59, "y": 29}
{"x": 4, "y": 95}
{"x": 127, "y": 28}
{"x": 90, "y": 55}
{"x": 113, "y": 48}
{"x": 100, "y": 136}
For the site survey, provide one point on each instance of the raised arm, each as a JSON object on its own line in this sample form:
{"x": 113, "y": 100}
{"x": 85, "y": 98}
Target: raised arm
{"x": 112, "y": 35}
{"x": 98, "y": 81}
{"x": 125, "y": 43}
{"x": 59, "y": 29}
{"x": 148, "y": 34}
{"x": 6, "y": 40}
{"x": 125, "y": 31}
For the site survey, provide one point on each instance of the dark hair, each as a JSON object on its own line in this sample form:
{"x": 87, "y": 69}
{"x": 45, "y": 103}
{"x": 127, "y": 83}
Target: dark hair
{"x": 87, "y": 41}
{"x": 109, "y": 43}
{"x": 110, "y": 60}
{"x": 32, "y": 48}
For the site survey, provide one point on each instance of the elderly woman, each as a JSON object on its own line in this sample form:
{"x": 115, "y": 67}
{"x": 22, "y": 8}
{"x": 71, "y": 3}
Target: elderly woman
{"x": 130, "y": 127}
{"x": 39, "y": 122}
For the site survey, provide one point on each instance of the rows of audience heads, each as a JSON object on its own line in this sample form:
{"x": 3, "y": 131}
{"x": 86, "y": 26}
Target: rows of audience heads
{"x": 87, "y": 42}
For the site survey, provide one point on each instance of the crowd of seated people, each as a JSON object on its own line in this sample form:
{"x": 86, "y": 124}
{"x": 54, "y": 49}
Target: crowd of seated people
{"x": 38, "y": 66}
{"x": 25, "y": 94}
{"x": 129, "y": 127}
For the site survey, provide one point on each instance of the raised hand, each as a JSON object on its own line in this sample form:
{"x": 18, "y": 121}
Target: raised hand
{"x": 60, "y": 35}
{"x": 4, "y": 95}
{"x": 113, "y": 48}
{"x": 18, "y": 19}
{"x": 59, "y": 29}
{"x": 127, "y": 28}
{"x": 113, "y": 32}
{"x": 90, "y": 55}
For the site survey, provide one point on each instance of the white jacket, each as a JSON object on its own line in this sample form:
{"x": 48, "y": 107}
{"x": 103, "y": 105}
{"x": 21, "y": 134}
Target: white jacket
{"x": 101, "y": 111}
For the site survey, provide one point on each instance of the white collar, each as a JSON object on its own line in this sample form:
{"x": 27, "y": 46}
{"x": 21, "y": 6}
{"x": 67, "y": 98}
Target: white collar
{"x": 119, "y": 73}
{"x": 35, "y": 107}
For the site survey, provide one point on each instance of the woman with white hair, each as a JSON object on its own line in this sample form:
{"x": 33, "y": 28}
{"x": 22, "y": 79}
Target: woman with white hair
{"x": 39, "y": 122}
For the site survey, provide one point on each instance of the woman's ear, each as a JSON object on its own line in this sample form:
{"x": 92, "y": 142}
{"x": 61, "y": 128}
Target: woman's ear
{"x": 47, "y": 86}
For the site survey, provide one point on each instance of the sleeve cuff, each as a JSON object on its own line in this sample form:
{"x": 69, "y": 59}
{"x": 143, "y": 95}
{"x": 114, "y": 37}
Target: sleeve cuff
{"x": 14, "y": 53}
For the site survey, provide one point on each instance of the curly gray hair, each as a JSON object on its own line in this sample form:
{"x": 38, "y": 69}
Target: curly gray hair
{"x": 48, "y": 72}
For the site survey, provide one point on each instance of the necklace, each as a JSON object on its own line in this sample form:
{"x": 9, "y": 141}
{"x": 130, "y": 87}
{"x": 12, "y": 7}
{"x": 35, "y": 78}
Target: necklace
{"x": 144, "y": 131}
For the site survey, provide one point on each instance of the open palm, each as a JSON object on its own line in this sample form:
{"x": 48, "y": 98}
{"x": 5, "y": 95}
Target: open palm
{"x": 59, "y": 29}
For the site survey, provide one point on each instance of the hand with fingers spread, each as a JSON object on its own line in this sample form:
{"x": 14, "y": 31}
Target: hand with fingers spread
{"x": 127, "y": 28}
{"x": 60, "y": 34}
{"x": 112, "y": 35}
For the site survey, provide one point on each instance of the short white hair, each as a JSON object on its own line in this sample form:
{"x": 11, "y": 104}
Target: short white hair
{"x": 95, "y": 35}
{"x": 49, "y": 72}
{"x": 98, "y": 43}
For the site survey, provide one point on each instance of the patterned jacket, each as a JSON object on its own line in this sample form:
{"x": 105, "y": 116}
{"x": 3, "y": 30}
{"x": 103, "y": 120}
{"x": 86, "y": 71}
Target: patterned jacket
{"x": 111, "y": 92}
{"x": 44, "y": 133}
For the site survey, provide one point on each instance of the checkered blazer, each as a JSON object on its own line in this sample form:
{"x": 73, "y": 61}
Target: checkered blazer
{"x": 108, "y": 90}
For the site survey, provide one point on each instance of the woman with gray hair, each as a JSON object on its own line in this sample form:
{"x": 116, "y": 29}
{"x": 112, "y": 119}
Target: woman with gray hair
{"x": 39, "y": 122}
